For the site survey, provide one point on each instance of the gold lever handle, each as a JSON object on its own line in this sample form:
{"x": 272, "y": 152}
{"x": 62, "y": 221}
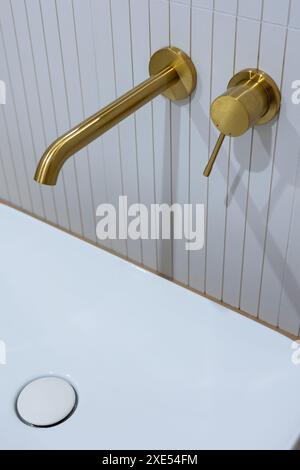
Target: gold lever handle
{"x": 214, "y": 155}
{"x": 252, "y": 98}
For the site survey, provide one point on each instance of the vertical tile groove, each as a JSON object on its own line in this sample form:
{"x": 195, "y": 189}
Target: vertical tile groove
{"x": 13, "y": 164}
{"x": 288, "y": 242}
{"x": 250, "y": 166}
{"x": 135, "y": 125}
{"x": 272, "y": 174}
{"x": 27, "y": 110}
{"x": 171, "y": 158}
{"x": 2, "y": 170}
{"x": 119, "y": 138}
{"x": 229, "y": 161}
{"x": 39, "y": 101}
{"x": 69, "y": 114}
{"x": 152, "y": 124}
{"x": 99, "y": 97}
{"x": 83, "y": 110}
{"x": 68, "y": 222}
{"x": 209, "y": 144}
{"x": 19, "y": 132}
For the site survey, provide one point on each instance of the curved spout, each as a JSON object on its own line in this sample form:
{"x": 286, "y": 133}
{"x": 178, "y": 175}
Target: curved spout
{"x": 54, "y": 157}
{"x": 59, "y": 151}
{"x": 172, "y": 73}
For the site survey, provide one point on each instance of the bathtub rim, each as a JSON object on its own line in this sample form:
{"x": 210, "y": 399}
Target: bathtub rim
{"x": 100, "y": 246}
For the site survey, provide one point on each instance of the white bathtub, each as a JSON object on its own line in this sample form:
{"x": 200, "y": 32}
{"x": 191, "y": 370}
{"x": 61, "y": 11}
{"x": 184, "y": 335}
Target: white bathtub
{"x": 155, "y": 366}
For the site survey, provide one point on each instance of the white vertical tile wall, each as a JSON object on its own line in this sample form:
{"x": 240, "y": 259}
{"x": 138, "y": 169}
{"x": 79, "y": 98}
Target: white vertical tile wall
{"x": 180, "y": 35}
{"x": 273, "y": 38}
{"x": 202, "y": 40}
{"x": 62, "y": 60}
{"x": 141, "y": 47}
{"x": 160, "y": 36}
{"x": 237, "y": 192}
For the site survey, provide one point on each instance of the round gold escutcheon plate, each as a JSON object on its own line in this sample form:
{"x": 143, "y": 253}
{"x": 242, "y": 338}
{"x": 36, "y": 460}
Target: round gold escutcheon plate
{"x": 258, "y": 76}
{"x": 172, "y": 56}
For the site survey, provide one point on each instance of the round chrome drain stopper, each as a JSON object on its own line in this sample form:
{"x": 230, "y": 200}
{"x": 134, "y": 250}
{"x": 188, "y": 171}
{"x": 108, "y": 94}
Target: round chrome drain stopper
{"x": 46, "y": 402}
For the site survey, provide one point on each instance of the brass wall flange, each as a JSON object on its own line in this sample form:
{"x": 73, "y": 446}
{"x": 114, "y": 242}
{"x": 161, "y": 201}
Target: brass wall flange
{"x": 262, "y": 78}
{"x": 176, "y": 58}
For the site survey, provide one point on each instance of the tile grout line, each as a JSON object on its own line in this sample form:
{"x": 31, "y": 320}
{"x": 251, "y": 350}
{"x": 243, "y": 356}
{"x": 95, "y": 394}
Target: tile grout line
{"x": 87, "y": 152}
{"x": 288, "y": 243}
{"x": 118, "y": 127}
{"x": 272, "y": 175}
{"x": 53, "y": 106}
{"x": 6, "y": 189}
{"x": 152, "y": 130}
{"x": 28, "y": 114}
{"x": 249, "y": 176}
{"x": 190, "y": 218}
{"x": 228, "y": 167}
{"x": 100, "y": 100}
{"x": 18, "y": 130}
{"x": 135, "y": 123}
{"x": 69, "y": 114}
{"x": 209, "y": 146}
{"x": 39, "y": 97}
{"x": 171, "y": 158}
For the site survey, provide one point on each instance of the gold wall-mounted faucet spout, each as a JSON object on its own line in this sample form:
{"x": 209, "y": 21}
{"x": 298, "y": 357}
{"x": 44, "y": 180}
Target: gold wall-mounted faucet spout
{"x": 172, "y": 74}
{"x": 252, "y": 98}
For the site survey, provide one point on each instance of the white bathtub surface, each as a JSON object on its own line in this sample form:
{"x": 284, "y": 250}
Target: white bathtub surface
{"x": 155, "y": 366}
